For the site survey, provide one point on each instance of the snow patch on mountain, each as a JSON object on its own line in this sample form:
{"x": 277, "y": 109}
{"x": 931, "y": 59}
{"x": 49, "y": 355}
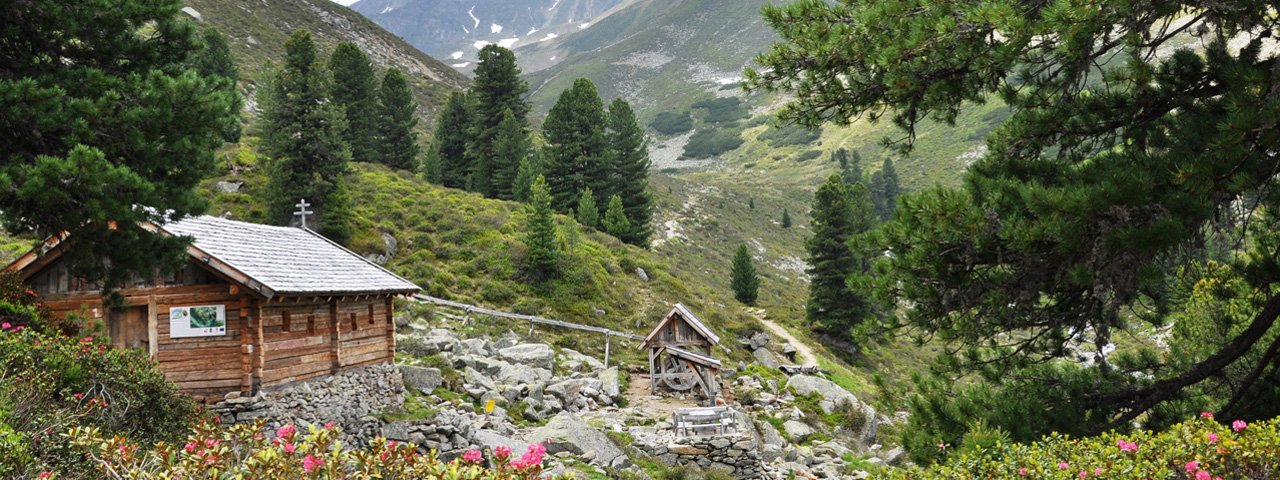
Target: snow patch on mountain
{"x": 508, "y": 42}
{"x": 548, "y": 36}
{"x": 495, "y": 28}
{"x": 386, "y": 9}
{"x": 584, "y": 26}
{"x": 532, "y": 30}
{"x": 480, "y": 44}
{"x": 554, "y": 4}
{"x": 456, "y": 55}
{"x": 472, "y": 14}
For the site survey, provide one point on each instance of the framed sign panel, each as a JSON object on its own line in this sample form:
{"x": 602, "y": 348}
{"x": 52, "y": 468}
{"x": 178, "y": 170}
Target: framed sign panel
{"x": 197, "y": 321}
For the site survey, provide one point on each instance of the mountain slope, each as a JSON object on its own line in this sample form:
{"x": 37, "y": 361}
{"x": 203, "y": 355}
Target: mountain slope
{"x": 257, "y": 31}
{"x": 456, "y": 29}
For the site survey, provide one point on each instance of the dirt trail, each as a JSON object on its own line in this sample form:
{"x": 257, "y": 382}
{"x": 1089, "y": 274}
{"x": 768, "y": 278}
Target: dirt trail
{"x": 803, "y": 353}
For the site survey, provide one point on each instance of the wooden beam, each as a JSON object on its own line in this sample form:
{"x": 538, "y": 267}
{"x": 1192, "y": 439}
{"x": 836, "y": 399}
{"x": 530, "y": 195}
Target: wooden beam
{"x": 153, "y": 329}
{"x": 391, "y": 330}
{"x": 246, "y": 348}
{"x": 335, "y": 338}
{"x": 259, "y": 347}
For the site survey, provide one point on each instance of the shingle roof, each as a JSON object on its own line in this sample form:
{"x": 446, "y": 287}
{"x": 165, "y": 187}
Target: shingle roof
{"x": 690, "y": 318}
{"x": 288, "y": 260}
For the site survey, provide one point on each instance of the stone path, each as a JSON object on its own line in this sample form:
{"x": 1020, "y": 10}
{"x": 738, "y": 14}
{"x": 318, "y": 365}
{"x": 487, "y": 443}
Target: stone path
{"x": 803, "y": 353}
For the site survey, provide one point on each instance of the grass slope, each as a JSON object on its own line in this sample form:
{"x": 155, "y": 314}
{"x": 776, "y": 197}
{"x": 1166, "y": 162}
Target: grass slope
{"x": 257, "y": 31}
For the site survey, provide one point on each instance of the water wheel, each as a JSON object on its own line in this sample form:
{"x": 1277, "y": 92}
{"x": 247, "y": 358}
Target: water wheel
{"x": 682, "y": 377}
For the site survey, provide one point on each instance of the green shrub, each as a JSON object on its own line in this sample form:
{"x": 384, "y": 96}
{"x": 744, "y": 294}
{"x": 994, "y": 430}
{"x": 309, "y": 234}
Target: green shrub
{"x": 722, "y": 110}
{"x": 51, "y": 382}
{"x": 709, "y": 142}
{"x": 671, "y": 123}
{"x": 808, "y": 155}
{"x": 789, "y": 134}
{"x": 1241, "y": 451}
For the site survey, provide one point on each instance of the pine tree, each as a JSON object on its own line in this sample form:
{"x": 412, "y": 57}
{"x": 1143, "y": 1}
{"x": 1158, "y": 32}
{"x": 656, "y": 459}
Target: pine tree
{"x": 337, "y": 222}
{"x": 629, "y": 156}
{"x": 840, "y": 211}
{"x": 743, "y": 278}
{"x": 355, "y": 89}
{"x": 615, "y": 218}
{"x": 451, "y": 141}
{"x": 397, "y": 139}
{"x": 496, "y": 89}
{"x": 431, "y": 169}
{"x": 850, "y": 165}
{"x": 885, "y": 190}
{"x": 540, "y": 232}
{"x": 103, "y": 113}
{"x": 216, "y": 59}
{"x": 529, "y": 169}
{"x": 588, "y": 214}
{"x": 576, "y": 146}
{"x": 786, "y": 218}
{"x": 511, "y": 148}
{"x": 303, "y": 135}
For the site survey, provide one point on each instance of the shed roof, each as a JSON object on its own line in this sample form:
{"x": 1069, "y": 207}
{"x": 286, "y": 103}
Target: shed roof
{"x": 690, "y": 318}
{"x": 288, "y": 260}
{"x": 693, "y": 357}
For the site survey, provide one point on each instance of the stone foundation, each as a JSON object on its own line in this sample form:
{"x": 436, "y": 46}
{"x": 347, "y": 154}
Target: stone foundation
{"x": 348, "y": 399}
{"x": 737, "y": 455}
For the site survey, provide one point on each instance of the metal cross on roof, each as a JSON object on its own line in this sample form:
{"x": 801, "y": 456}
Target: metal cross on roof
{"x": 302, "y": 211}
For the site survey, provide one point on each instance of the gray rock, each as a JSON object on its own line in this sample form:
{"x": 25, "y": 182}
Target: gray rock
{"x": 567, "y": 433}
{"x": 421, "y": 379}
{"x": 769, "y": 435}
{"x": 487, "y": 439}
{"x": 832, "y": 396}
{"x": 765, "y": 358}
{"x": 480, "y": 380}
{"x": 567, "y": 390}
{"x": 476, "y": 346}
{"x": 538, "y": 355}
{"x": 895, "y": 456}
{"x": 643, "y": 275}
{"x": 609, "y": 383}
{"x": 575, "y": 361}
{"x": 193, "y": 14}
{"x": 798, "y": 431}
{"x": 515, "y": 374}
{"x": 222, "y": 185}
{"x": 425, "y": 346}
{"x": 758, "y": 340}
{"x": 831, "y": 449}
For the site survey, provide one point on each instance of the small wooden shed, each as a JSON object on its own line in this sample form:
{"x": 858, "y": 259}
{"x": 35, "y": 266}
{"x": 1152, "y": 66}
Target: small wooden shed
{"x": 679, "y": 350}
{"x": 256, "y": 306}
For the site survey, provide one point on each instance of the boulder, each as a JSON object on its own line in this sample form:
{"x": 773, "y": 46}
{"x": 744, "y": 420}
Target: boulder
{"x": 765, "y": 358}
{"x": 478, "y": 379}
{"x": 537, "y": 355}
{"x": 222, "y": 185}
{"x": 487, "y": 439}
{"x": 575, "y": 361}
{"x": 758, "y": 340}
{"x": 420, "y": 378}
{"x": 567, "y": 433}
{"x": 476, "y": 346}
{"x": 515, "y": 374}
{"x": 798, "y": 431}
{"x": 191, "y": 12}
{"x": 834, "y": 396}
{"x": 609, "y": 383}
{"x": 424, "y": 346}
{"x": 769, "y": 435}
{"x": 643, "y": 275}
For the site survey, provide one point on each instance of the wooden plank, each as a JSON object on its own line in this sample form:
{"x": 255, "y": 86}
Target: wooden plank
{"x": 390, "y": 328}
{"x": 246, "y": 349}
{"x": 335, "y": 338}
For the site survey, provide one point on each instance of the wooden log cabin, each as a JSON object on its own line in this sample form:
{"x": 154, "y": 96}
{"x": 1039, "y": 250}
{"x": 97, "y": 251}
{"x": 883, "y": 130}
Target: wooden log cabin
{"x": 255, "y": 306}
{"x": 679, "y": 350}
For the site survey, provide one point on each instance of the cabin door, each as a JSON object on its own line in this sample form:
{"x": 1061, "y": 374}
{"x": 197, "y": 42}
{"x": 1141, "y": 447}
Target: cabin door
{"x": 127, "y": 328}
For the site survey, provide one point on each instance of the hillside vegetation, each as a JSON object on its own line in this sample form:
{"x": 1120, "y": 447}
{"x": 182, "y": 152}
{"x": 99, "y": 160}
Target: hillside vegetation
{"x": 256, "y": 32}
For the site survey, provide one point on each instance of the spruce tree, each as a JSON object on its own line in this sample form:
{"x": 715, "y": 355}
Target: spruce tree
{"x": 885, "y": 190}
{"x": 588, "y": 214}
{"x": 576, "y": 146}
{"x": 743, "y": 278}
{"x": 615, "y": 218}
{"x": 303, "y": 136}
{"x": 431, "y": 169}
{"x": 540, "y": 232}
{"x": 450, "y": 141}
{"x": 355, "y": 89}
{"x": 840, "y": 211}
{"x": 103, "y": 114}
{"x": 511, "y": 148}
{"x": 850, "y": 163}
{"x": 497, "y": 88}
{"x": 397, "y": 139}
{"x": 529, "y": 170}
{"x": 629, "y": 179}
{"x": 786, "y": 218}
{"x": 216, "y": 59}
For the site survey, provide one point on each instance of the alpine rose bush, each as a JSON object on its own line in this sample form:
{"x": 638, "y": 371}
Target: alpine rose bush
{"x": 244, "y": 451}
{"x": 1200, "y": 449}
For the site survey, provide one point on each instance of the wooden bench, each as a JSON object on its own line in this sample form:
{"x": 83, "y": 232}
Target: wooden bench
{"x": 704, "y": 421}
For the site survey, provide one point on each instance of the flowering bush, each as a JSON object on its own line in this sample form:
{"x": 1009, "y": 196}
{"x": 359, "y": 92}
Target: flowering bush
{"x": 245, "y": 451}
{"x": 50, "y": 383}
{"x": 1200, "y": 449}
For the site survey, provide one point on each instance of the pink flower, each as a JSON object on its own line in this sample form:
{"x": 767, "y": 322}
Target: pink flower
{"x": 391, "y": 444}
{"x": 5, "y": 325}
{"x": 1083, "y": 474}
{"x": 1239, "y": 425}
{"x": 1208, "y": 415}
{"x": 290, "y": 448}
{"x": 328, "y": 425}
{"x": 19, "y": 328}
{"x": 1098, "y": 471}
{"x": 472, "y": 456}
{"x": 310, "y": 463}
{"x": 1202, "y": 475}
{"x": 1192, "y": 466}
{"x": 1127, "y": 446}
{"x": 190, "y": 447}
{"x": 502, "y": 452}
{"x": 286, "y": 432}
{"x": 212, "y": 442}
{"x": 1063, "y": 465}
{"x": 1022, "y": 471}
{"x": 1213, "y": 437}
{"x": 45, "y": 474}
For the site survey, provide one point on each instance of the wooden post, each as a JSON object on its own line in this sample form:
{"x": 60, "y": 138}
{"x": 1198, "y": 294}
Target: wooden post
{"x": 153, "y": 330}
{"x": 391, "y": 331}
{"x": 246, "y": 348}
{"x": 259, "y": 346}
{"x": 653, "y": 381}
{"x": 335, "y": 338}
{"x": 606, "y": 350}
